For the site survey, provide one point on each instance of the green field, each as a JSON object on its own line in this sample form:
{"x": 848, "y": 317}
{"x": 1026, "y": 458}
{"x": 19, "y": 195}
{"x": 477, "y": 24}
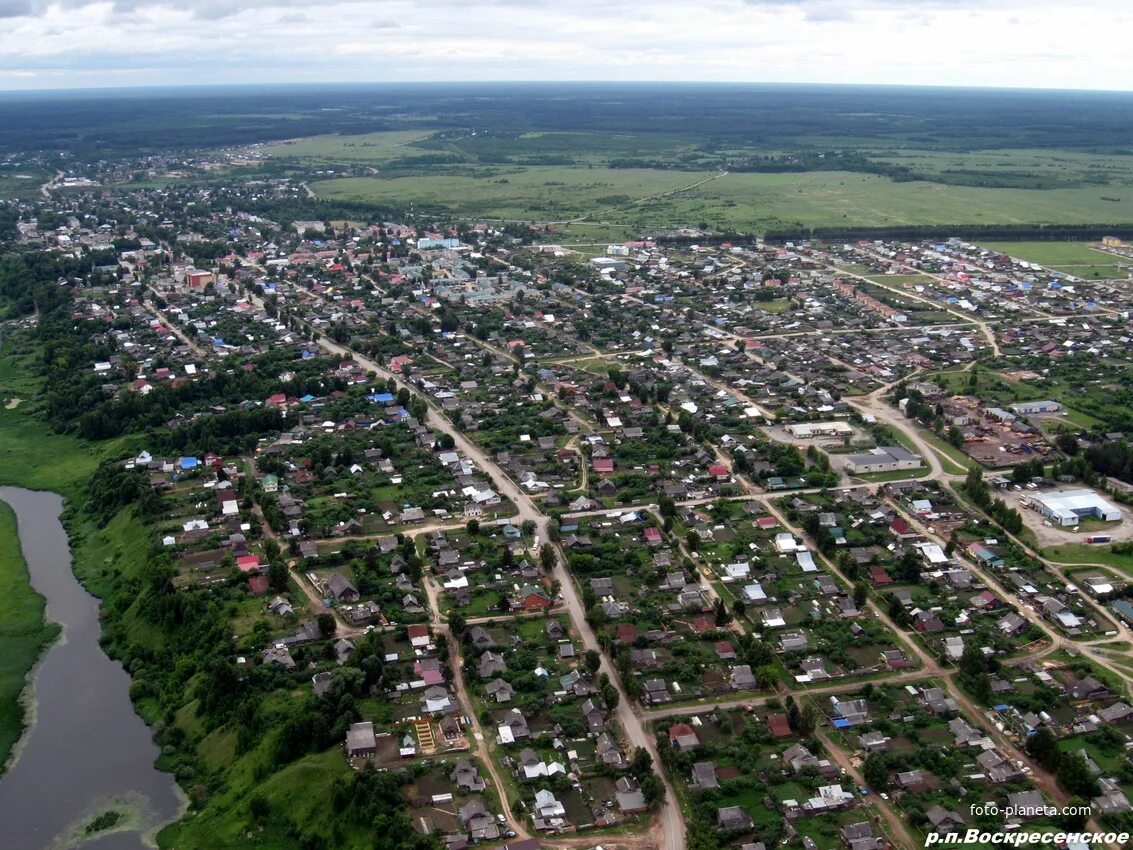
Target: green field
{"x": 530, "y": 194}
{"x": 736, "y": 201}
{"x": 24, "y": 186}
{"x": 367, "y": 148}
{"x": 23, "y": 631}
{"x": 1054, "y": 254}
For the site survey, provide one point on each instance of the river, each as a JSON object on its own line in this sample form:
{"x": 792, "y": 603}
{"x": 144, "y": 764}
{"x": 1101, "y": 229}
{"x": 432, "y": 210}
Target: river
{"x": 86, "y": 751}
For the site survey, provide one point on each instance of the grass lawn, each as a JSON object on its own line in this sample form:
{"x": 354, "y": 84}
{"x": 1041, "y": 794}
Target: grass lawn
{"x": 1084, "y": 553}
{"x": 23, "y": 632}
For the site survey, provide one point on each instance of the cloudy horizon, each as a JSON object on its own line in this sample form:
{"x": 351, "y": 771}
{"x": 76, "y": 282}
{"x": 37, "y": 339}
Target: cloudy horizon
{"x": 50, "y": 44}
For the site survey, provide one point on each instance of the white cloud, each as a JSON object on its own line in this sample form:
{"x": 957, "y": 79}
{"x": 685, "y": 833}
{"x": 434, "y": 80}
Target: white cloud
{"x": 1039, "y": 43}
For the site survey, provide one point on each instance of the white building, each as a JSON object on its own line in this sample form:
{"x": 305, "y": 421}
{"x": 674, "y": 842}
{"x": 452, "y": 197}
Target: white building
{"x": 1067, "y": 507}
{"x": 807, "y": 430}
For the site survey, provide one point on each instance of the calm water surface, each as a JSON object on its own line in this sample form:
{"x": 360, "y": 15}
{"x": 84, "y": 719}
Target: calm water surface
{"x": 87, "y": 747}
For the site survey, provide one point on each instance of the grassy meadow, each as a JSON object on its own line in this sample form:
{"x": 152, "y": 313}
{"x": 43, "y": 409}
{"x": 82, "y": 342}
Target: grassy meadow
{"x": 23, "y": 631}
{"x": 638, "y": 198}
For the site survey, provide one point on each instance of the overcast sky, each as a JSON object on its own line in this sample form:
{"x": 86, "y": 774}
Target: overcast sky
{"x": 1028, "y": 43}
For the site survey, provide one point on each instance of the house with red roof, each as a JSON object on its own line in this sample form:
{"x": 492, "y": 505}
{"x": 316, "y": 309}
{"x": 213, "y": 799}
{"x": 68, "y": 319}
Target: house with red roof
{"x": 603, "y": 465}
{"x": 902, "y": 530}
{"x": 653, "y": 536}
{"x": 718, "y": 471}
{"x": 247, "y": 563}
{"x": 878, "y": 576}
{"x": 779, "y": 726}
{"x": 400, "y": 361}
{"x": 626, "y": 633}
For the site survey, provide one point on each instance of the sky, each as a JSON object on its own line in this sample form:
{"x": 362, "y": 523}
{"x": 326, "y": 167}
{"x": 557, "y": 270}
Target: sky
{"x": 995, "y": 43}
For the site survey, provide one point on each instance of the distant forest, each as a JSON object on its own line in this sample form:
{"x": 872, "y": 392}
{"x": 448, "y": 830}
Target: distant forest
{"x": 717, "y": 117}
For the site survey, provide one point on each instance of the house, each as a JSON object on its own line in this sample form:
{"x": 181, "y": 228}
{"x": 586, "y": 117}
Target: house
{"x": 944, "y": 821}
{"x": 1087, "y": 688}
{"x": 1012, "y": 624}
{"x": 1026, "y": 805}
{"x": 630, "y": 797}
{"x": 340, "y": 588}
{"x": 964, "y": 734}
{"x": 656, "y": 693}
{"x": 996, "y": 768}
{"x": 779, "y": 726}
{"x": 361, "y": 741}
{"x": 1116, "y": 713}
{"x": 608, "y": 752}
{"x": 874, "y": 742}
{"x": 280, "y": 606}
{"x": 683, "y": 736}
{"x": 732, "y": 818}
{"x": 1112, "y": 800}
{"x": 798, "y": 757}
{"x": 480, "y": 638}
{"x": 859, "y": 836}
{"x": 742, "y": 679}
{"x": 531, "y": 599}
{"x": 475, "y": 818}
{"x": 595, "y": 716}
{"x": 548, "y": 808}
{"x": 851, "y": 712}
{"x": 465, "y": 777}
{"x": 491, "y": 664}
{"x": 514, "y": 727}
{"x": 499, "y": 690}
{"x": 704, "y": 776}
{"x": 913, "y": 781}
{"x": 279, "y": 654}
{"x": 937, "y": 701}
{"x": 418, "y": 635}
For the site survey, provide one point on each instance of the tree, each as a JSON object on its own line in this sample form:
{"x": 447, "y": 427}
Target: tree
{"x": 808, "y": 720}
{"x": 876, "y": 771}
{"x": 473, "y": 527}
{"x": 1068, "y": 444}
{"x": 861, "y": 593}
{"x": 327, "y": 624}
{"x": 277, "y": 575}
{"x": 547, "y": 557}
{"x": 641, "y": 763}
{"x": 457, "y": 622}
{"x": 1043, "y": 748}
{"x": 593, "y": 660}
{"x": 1074, "y": 775}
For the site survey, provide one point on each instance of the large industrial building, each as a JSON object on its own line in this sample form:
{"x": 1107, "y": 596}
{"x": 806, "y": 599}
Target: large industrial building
{"x": 883, "y": 459}
{"x": 806, "y": 430}
{"x": 1025, "y": 408}
{"x": 1067, "y": 507}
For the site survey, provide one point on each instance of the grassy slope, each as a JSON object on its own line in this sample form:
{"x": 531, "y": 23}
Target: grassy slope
{"x": 23, "y": 631}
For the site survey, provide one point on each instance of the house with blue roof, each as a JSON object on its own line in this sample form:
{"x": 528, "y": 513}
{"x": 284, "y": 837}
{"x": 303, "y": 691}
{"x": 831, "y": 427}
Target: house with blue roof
{"x": 188, "y": 463}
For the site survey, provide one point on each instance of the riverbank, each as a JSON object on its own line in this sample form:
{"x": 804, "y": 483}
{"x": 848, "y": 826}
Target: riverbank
{"x": 24, "y": 634}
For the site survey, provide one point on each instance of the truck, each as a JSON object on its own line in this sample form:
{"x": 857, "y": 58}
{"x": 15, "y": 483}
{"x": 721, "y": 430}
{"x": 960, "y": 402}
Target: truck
{"x": 1098, "y": 538}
